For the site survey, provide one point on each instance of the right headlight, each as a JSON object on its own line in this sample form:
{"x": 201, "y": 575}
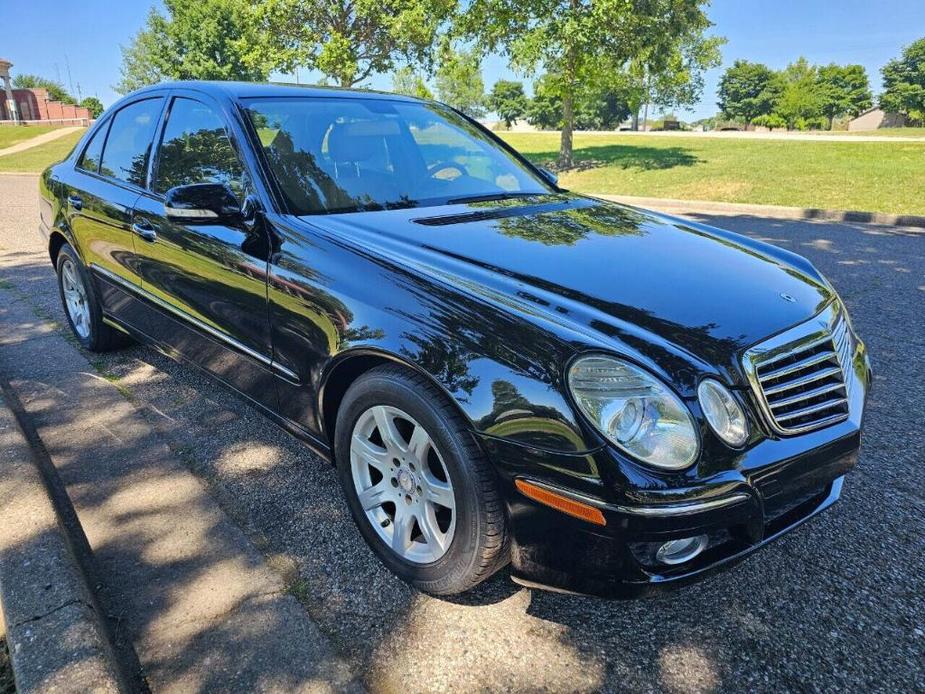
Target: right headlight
{"x": 635, "y": 411}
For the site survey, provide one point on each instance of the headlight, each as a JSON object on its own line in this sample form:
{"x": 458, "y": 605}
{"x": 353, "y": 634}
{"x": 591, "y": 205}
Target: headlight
{"x": 723, "y": 412}
{"x": 635, "y": 411}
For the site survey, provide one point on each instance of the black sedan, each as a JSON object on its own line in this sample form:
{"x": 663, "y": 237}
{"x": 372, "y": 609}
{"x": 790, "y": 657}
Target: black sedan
{"x": 607, "y": 398}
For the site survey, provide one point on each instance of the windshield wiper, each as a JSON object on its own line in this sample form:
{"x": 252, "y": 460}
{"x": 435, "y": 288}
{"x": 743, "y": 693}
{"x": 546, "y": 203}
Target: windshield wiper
{"x": 488, "y": 197}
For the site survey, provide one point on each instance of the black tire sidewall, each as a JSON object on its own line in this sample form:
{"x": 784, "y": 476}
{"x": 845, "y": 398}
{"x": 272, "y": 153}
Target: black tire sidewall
{"x": 462, "y": 555}
{"x": 92, "y": 340}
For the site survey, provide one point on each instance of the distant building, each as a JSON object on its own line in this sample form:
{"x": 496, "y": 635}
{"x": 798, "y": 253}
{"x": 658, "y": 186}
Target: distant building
{"x": 35, "y": 104}
{"x": 876, "y": 118}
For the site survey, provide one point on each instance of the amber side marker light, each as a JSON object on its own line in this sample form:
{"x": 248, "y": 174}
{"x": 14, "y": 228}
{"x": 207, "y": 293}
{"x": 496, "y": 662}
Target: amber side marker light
{"x": 561, "y": 503}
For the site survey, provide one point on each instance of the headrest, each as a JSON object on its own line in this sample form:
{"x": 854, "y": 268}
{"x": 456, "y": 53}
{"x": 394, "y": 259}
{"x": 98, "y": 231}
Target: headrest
{"x": 360, "y": 140}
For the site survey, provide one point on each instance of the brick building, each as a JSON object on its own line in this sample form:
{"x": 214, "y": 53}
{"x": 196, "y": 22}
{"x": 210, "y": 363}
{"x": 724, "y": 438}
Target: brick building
{"x": 35, "y": 104}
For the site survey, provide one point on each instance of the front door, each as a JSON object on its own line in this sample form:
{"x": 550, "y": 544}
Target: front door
{"x": 205, "y": 282}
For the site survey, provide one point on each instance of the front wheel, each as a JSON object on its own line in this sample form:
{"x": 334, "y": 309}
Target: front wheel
{"x": 419, "y": 488}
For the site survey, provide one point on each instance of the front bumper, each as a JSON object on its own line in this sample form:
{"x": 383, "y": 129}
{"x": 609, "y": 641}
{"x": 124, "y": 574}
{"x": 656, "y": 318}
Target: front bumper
{"x": 774, "y": 487}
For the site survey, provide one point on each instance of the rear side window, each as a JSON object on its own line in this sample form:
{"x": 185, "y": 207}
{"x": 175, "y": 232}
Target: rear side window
{"x": 90, "y": 161}
{"x": 128, "y": 146}
{"x": 196, "y": 149}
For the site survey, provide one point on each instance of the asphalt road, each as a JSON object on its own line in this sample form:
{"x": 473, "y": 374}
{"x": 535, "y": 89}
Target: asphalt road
{"x": 838, "y": 604}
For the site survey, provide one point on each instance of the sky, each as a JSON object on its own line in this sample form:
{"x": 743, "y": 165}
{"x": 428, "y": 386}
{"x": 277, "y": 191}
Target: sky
{"x": 77, "y": 43}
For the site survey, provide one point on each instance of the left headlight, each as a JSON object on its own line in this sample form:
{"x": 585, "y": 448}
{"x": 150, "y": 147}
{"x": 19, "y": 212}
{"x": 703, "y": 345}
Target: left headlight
{"x": 635, "y": 411}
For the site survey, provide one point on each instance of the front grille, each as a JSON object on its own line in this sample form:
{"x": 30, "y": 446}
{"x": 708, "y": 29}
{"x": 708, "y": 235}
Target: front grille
{"x": 803, "y": 384}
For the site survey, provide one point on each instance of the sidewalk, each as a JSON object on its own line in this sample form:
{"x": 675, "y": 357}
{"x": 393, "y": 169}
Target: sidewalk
{"x": 183, "y": 583}
{"x": 37, "y": 140}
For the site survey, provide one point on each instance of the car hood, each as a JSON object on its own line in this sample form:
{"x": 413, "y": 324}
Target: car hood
{"x": 607, "y": 272}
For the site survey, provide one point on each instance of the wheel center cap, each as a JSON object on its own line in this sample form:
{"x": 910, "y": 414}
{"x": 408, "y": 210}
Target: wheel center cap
{"x": 405, "y": 481}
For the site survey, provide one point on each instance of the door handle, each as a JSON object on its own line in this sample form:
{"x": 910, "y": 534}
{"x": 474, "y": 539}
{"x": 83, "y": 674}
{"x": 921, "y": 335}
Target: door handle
{"x": 144, "y": 231}
{"x": 75, "y": 202}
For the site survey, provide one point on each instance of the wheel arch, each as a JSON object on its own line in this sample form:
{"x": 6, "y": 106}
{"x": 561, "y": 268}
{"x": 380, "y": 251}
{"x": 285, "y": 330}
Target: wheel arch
{"x": 348, "y": 366}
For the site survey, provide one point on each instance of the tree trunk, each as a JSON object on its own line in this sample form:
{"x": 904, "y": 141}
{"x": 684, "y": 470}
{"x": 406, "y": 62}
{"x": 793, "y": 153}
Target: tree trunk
{"x": 566, "y": 160}
{"x": 636, "y": 119}
{"x": 645, "y": 117}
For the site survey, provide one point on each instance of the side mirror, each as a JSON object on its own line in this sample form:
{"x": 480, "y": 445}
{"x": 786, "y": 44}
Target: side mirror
{"x": 549, "y": 176}
{"x": 203, "y": 203}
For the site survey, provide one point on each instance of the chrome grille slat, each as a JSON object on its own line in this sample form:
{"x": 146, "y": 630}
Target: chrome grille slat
{"x": 827, "y": 405}
{"x": 803, "y": 380}
{"x": 815, "y": 392}
{"x": 802, "y": 377}
{"x": 799, "y": 366}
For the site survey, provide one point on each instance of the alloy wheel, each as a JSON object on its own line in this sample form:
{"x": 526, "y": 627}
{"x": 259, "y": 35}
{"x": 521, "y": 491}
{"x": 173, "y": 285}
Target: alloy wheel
{"x": 75, "y": 298}
{"x": 402, "y": 484}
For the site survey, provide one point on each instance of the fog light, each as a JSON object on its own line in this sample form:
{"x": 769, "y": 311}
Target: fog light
{"x": 680, "y": 551}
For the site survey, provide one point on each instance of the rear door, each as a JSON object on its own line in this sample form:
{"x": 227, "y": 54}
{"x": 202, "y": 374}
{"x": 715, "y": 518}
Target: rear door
{"x": 101, "y": 192}
{"x": 209, "y": 281}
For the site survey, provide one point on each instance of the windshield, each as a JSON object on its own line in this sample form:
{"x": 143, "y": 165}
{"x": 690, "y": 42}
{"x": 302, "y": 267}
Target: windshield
{"x": 347, "y": 154}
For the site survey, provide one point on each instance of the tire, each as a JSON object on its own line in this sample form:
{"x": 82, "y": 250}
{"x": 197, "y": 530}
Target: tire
{"x": 82, "y": 307}
{"x": 451, "y": 550}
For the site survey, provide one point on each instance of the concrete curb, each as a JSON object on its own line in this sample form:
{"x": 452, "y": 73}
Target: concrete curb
{"x": 768, "y": 211}
{"x": 57, "y": 635}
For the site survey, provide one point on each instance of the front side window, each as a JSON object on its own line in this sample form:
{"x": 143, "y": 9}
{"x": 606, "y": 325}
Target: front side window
{"x": 128, "y": 147}
{"x": 195, "y": 148}
{"x": 348, "y": 154}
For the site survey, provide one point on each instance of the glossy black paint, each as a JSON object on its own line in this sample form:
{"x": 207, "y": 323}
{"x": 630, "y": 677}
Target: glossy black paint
{"x": 491, "y": 300}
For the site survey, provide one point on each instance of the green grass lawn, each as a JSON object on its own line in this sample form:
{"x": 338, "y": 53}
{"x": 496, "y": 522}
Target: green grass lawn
{"x": 865, "y": 176}
{"x": 35, "y": 159}
{"x": 885, "y": 132}
{"x": 13, "y": 134}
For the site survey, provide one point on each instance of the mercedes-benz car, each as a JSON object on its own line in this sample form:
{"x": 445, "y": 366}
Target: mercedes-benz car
{"x": 609, "y": 399}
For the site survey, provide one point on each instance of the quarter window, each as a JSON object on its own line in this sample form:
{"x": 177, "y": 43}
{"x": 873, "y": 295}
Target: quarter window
{"x": 90, "y": 160}
{"x": 128, "y": 146}
{"x": 196, "y": 149}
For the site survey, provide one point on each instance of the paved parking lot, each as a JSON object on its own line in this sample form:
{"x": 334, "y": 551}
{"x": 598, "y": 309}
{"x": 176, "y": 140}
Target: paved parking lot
{"x": 838, "y": 604}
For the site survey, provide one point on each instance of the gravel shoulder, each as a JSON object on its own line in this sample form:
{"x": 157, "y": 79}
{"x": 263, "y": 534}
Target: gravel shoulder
{"x": 830, "y": 606}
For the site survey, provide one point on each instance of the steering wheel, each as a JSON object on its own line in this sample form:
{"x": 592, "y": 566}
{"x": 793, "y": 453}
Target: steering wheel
{"x": 434, "y": 169}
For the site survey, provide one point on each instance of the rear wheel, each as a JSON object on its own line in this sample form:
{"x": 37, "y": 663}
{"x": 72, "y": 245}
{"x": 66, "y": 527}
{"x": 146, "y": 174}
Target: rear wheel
{"x": 82, "y": 306}
{"x": 419, "y": 488}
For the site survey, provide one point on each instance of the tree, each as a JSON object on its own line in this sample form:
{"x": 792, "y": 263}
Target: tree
{"x": 844, "y": 90}
{"x": 904, "y": 83}
{"x": 349, "y": 40}
{"x": 596, "y": 107}
{"x": 508, "y": 100}
{"x": 406, "y": 81}
{"x": 56, "y": 92}
{"x": 674, "y": 77}
{"x": 579, "y": 40}
{"x": 800, "y": 103}
{"x": 196, "y": 39}
{"x": 770, "y": 122}
{"x": 748, "y": 90}
{"x": 459, "y": 81}
{"x": 94, "y": 105}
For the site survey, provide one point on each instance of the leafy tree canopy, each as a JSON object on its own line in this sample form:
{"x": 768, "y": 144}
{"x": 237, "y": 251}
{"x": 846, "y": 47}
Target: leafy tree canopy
{"x": 408, "y": 82}
{"x": 195, "y": 39}
{"x": 508, "y": 100}
{"x": 349, "y": 40}
{"x": 459, "y": 81}
{"x": 748, "y": 90}
{"x": 904, "y": 83}
{"x": 596, "y": 107}
{"x": 580, "y": 40}
{"x": 94, "y": 105}
{"x": 800, "y": 102}
{"x": 844, "y": 90}
{"x": 56, "y": 92}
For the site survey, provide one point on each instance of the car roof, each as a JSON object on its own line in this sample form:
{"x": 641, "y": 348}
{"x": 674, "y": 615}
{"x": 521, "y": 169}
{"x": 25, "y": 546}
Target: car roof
{"x": 244, "y": 90}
